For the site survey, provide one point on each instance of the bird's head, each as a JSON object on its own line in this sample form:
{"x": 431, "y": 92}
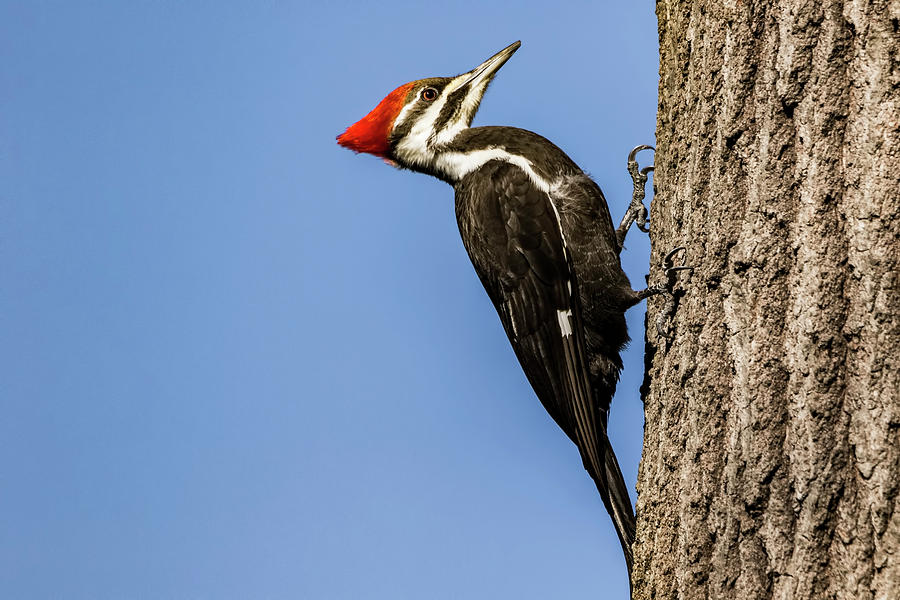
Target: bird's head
{"x": 412, "y": 125}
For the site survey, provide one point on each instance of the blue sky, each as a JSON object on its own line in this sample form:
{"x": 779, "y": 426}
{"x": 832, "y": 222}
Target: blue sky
{"x": 239, "y": 361}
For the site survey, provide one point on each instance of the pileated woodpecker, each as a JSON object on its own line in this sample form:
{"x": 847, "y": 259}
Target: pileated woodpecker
{"x": 539, "y": 233}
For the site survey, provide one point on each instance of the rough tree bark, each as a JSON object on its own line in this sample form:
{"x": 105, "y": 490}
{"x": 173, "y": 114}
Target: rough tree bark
{"x": 771, "y": 462}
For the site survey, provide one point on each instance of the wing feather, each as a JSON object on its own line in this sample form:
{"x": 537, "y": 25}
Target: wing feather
{"x": 513, "y": 235}
{"x": 525, "y": 267}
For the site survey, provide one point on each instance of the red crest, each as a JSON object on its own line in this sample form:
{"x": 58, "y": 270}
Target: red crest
{"x": 370, "y": 134}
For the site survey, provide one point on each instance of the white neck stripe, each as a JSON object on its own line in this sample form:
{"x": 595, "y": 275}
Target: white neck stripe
{"x": 456, "y": 165}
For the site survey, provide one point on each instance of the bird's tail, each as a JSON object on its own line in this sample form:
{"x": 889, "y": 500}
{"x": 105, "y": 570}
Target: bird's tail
{"x": 614, "y": 492}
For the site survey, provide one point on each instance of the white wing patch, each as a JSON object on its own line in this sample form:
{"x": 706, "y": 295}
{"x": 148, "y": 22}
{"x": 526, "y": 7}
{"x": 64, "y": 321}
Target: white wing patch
{"x": 512, "y": 320}
{"x": 565, "y": 321}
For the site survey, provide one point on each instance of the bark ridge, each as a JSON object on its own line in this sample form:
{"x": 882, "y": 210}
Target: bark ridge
{"x": 771, "y": 457}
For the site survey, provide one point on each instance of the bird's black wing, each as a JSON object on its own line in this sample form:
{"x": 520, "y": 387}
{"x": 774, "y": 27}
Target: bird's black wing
{"x": 603, "y": 287}
{"x": 513, "y": 237}
{"x": 512, "y": 233}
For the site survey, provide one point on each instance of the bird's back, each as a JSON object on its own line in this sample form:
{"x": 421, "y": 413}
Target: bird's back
{"x": 511, "y": 228}
{"x": 589, "y": 236}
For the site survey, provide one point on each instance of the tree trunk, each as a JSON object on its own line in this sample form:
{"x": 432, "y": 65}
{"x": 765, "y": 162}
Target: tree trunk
{"x": 771, "y": 460}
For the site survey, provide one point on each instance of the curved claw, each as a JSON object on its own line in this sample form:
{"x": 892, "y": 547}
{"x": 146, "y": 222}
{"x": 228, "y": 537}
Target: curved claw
{"x": 637, "y": 212}
{"x": 635, "y": 215}
{"x": 633, "y": 153}
{"x": 670, "y": 270}
{"x": 667, "y": 259}
{"x": 641, "y": 221}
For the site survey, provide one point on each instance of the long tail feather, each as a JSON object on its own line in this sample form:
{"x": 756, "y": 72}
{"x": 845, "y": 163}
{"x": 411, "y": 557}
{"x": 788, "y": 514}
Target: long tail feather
{"x": 614, "y": 492}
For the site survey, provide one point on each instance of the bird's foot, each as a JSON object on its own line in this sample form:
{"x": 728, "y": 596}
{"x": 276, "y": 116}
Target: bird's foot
{"x": 670, "y": 269}
{"x": 637, "y": 212}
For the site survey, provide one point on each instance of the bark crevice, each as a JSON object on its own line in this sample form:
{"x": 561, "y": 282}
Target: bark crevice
{"x": 771, "y": 463}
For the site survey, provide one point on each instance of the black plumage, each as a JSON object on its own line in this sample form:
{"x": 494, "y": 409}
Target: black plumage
{"x": 542, "y": 241}
{"x": 512, "y": 234}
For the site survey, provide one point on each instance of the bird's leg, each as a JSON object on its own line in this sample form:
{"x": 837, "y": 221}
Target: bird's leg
{"x": 637, "y": 212}
{"x": 670, "y": 269}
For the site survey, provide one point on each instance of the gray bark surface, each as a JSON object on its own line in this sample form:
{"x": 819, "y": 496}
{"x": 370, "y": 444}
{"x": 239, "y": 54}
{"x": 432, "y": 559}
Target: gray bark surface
{"x": 771, "y": 460}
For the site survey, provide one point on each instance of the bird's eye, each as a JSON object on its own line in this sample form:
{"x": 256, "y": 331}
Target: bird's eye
{"x": 429, "y": 94}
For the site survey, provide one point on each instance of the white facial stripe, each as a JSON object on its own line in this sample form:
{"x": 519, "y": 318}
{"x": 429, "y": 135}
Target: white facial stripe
{"x": 450, "y": 132}
{"x": 402, "y": 116}
{"x": 469, "y": 106}
{"x": 415, "y": 146}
